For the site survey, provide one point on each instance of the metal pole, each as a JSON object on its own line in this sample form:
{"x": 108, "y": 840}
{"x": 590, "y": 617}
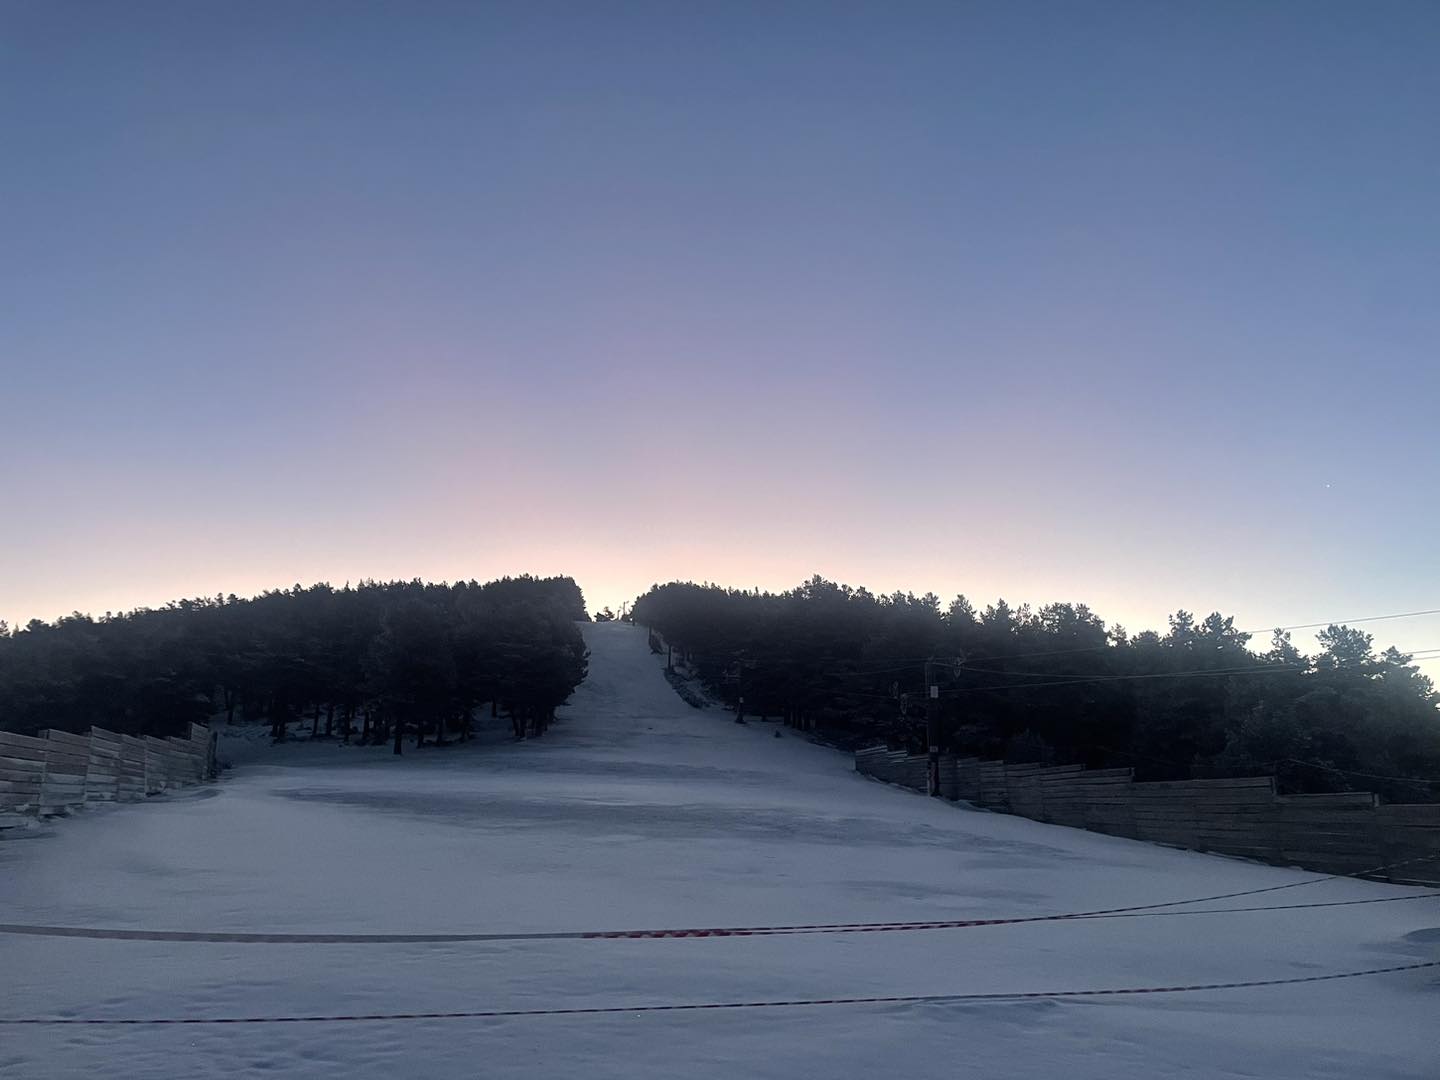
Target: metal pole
{"x": 932, "y": 727}
{"x": 740, "y": 691}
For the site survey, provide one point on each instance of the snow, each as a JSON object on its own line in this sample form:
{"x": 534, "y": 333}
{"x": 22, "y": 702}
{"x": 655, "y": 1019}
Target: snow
{"x": 638, "y": 811}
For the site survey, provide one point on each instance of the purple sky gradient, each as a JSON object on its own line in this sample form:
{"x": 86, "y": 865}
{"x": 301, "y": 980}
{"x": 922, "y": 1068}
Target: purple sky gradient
{"x": 1125, "y": 303}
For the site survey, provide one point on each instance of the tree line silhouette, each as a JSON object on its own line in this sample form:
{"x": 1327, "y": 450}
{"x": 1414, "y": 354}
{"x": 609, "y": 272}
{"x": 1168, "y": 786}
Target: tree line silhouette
{"x": 370, "y": 662}
{"x": 1055, "y": 684}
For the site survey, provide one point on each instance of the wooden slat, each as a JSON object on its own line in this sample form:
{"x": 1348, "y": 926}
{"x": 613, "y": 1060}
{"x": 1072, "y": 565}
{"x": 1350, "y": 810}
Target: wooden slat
{"x": 1335, "y": 798}
{"x": 1218, "y": 797}
{"x": 21, "y": 769}
{"x": 79, "y": 743}
{"x": 21, "y": 746}
{"x": 1091, "y": 775}
{"x": 64, "y": 761}
{"x": 1060, "y": 772}
{"x": 1239, "y": 783}
{"x": 1411, "y": 811}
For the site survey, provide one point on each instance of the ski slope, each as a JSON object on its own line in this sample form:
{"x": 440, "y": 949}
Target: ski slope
{"x": 637, "y": 811}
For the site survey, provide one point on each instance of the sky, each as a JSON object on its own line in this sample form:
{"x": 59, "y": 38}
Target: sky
{"x": 1130, "y": 304}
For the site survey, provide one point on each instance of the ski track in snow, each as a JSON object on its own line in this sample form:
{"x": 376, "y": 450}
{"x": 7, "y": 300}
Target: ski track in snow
{"x": 637, "y": 811}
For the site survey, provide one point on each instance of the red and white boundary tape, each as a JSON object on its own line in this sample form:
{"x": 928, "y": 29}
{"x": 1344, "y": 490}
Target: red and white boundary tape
{"x": 1140, "y": 911}
{"x": 599, "y": 1010}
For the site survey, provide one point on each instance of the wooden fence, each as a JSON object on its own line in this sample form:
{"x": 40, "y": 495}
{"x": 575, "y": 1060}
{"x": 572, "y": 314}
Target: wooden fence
{"x": 59, "y": 771}
{"x": 1347, "y": 833}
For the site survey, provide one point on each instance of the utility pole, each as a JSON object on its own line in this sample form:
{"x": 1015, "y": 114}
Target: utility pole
{"x": 740, "y": 691}
{"x": 932, "y": 726}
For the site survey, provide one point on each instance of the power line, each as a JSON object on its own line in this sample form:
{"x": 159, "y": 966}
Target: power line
{"x": 1075, "y": 678}
{"x": 1425, "y": 781}
{"x": 1348, "y": 622}
{"x": 909, "y": 663}
{"x": 1122, "y": 678}
{"x": 1263, "y": 630}
{"x": 1248, "y": 669}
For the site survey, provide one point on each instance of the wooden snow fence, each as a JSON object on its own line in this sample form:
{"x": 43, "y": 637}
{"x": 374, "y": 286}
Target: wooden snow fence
{"x": 60, "y": 770}
{"x": 1194, "y": 813}
{"x": 102, "y": 772}
{"x": 190, "y": 760}
{"x": 1092, "y": 799}
{"x": 202, "y": 736}
{"x": 872, "y": 762}
{"x": 67, "y": 759}
{"x": 1348, "y": 833}
{"x": 132, "y": 768}
{"x": 167, "y": 766}
{"x": 1410, "y": 831}
{"x": 22, "y": 773}
{"x": 992, "y": 792}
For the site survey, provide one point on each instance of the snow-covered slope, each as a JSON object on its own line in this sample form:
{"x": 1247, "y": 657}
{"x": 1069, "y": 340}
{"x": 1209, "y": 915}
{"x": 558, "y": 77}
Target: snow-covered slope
{"x": 638, "y": 811}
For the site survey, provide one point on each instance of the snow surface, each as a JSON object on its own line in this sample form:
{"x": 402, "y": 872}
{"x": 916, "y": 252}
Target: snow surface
{"x": 639, "y": 811}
